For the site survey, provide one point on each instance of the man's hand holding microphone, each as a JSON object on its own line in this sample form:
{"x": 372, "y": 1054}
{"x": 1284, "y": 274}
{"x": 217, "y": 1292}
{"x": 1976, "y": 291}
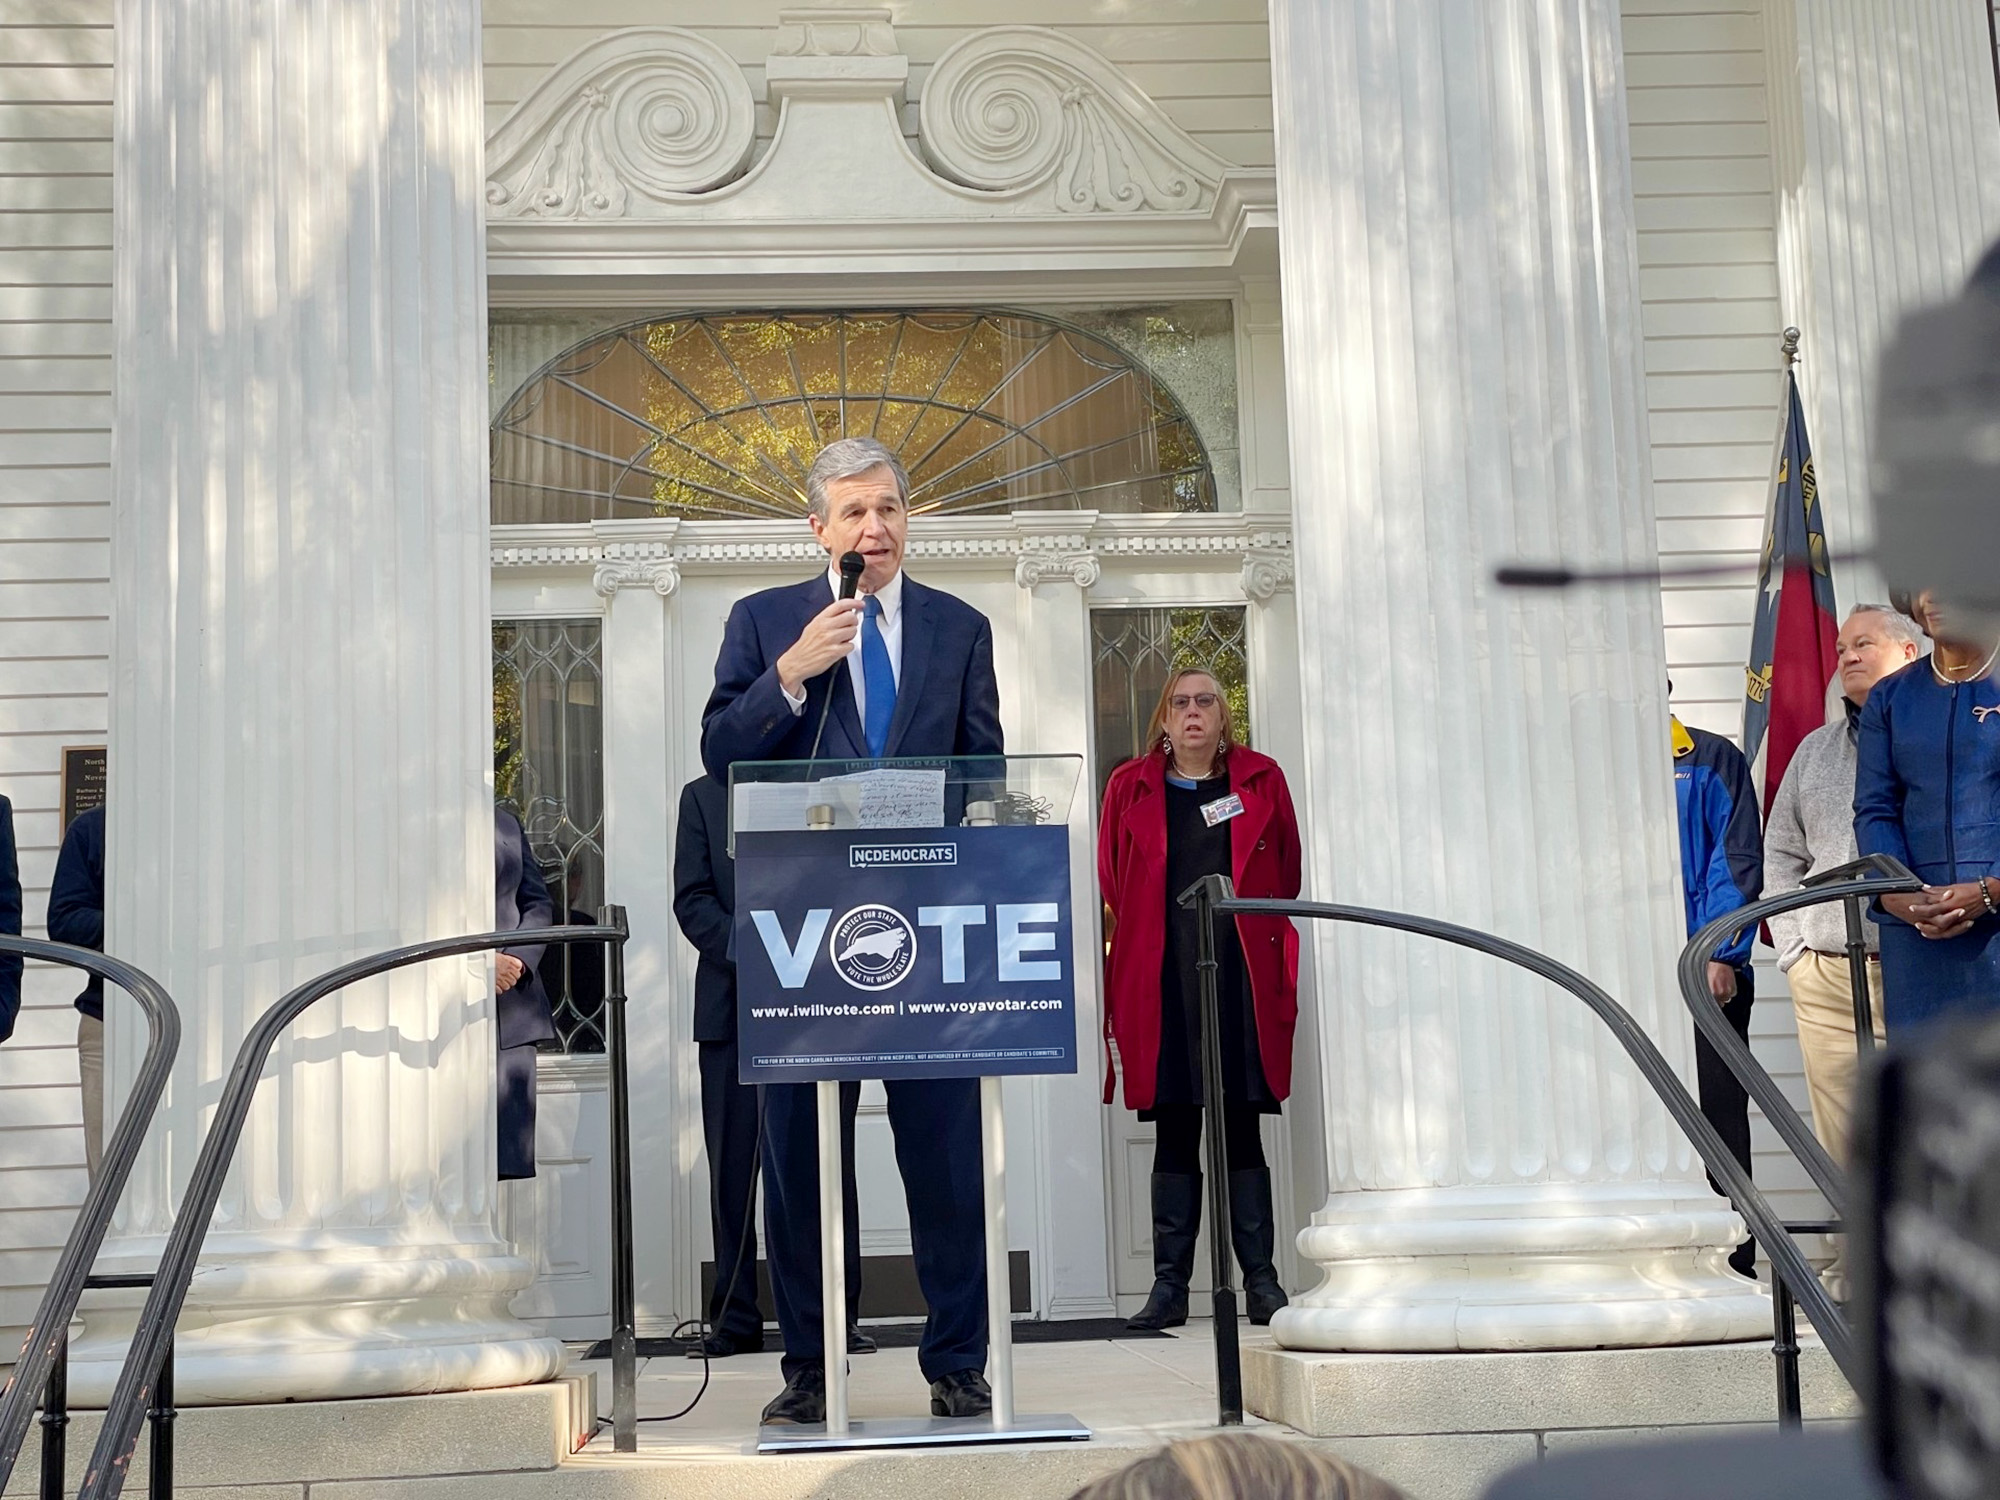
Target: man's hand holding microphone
{"x": 829, "y": 636}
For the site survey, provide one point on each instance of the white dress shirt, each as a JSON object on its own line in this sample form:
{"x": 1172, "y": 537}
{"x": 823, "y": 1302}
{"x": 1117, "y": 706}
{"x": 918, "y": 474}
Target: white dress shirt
{"x": 891, "y": 625}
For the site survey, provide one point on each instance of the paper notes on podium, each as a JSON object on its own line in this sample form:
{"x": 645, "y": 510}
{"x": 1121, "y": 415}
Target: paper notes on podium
{"x": 891, "y": 797}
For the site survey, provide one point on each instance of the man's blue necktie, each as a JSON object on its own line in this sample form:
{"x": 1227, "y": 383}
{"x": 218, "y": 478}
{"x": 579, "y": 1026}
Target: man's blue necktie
{"x": 878, "y": 677}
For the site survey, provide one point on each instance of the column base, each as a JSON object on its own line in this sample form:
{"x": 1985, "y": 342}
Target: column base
{"x": 1551, "y": 1266}
{"x": 325, "y": 1317}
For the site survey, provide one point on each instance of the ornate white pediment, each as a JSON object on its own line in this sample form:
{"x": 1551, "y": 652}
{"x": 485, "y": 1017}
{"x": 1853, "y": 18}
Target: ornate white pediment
{"x": 1030, "y": 143}
{"x": 634, "y": 121}
{"x": 1026, "y": 110}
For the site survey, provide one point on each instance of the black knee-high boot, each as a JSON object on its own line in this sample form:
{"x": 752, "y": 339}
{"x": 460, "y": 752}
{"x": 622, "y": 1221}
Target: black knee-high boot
{"x": 1176, "y": 1223}
{"x": 1254, "y": 1233}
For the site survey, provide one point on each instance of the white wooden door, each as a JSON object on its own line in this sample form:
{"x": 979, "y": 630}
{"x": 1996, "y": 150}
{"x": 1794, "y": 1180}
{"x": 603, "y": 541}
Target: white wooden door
{"x": 561, "y": 1217}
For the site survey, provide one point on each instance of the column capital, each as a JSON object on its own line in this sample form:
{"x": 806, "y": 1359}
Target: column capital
{"x": 661, "y": 575}
{"x": 1036, "y": 567}
{"x": 1267, "y": 572}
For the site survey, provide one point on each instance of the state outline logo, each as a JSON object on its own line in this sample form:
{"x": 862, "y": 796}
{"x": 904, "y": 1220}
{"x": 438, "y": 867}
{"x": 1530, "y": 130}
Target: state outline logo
{"x": 872, "y": 947}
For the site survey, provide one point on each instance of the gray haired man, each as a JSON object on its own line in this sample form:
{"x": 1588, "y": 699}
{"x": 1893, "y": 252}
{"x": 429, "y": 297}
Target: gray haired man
{"x": 1811, "y": 828}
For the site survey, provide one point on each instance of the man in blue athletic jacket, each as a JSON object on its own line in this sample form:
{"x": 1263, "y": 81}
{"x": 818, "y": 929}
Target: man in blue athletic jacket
{"x": 1722, "y": 869}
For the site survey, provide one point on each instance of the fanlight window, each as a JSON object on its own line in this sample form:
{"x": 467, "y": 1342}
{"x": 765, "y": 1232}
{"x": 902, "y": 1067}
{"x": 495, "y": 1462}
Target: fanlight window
{"x": 719, "y": 417}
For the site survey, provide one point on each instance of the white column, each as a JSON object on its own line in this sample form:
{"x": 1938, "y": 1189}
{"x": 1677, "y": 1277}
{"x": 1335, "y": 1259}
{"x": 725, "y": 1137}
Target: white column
{"x": 644, "y": 770}
{"x": 1885, "y": 144}
{"x": 1462, "y": 356}
{"x": 1056, "y": 1123}
{"x": 301, "y": 724}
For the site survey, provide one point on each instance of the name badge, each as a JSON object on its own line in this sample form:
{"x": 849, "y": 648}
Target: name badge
{"x": 1222, "y": 809}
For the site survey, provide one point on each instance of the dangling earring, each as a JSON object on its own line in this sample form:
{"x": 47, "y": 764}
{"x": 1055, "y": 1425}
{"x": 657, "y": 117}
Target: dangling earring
{"x": 1167, "y": 745}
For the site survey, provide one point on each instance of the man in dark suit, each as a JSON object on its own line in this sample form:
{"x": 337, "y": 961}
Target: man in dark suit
{"x": 76, "y": 917}
{"x": 10, "y": 921}
{"x": 520, "y": 899}
{"x": 705, "y": 906}
{"x": 910, "y": 672}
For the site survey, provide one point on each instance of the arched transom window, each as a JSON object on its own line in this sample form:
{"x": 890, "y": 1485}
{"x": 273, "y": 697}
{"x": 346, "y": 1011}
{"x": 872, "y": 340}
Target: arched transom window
{"x": 719, "y": 416}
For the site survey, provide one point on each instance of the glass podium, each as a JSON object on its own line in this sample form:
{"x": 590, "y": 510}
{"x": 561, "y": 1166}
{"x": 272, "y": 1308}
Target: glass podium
{"x": 876, "y": 796}
{"x": 907, "y": 918}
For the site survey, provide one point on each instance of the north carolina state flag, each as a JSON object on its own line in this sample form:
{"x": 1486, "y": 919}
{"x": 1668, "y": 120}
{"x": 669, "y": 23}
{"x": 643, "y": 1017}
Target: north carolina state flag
{"x": 1791, "y": 650}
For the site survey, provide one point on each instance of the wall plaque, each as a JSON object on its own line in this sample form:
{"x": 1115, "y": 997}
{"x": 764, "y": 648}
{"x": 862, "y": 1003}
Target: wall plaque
{"x": 82, "y": 781}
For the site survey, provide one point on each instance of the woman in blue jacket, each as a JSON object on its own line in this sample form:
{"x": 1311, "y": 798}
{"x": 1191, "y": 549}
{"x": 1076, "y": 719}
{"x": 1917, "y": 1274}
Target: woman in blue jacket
{"x": 1927, "y": 791}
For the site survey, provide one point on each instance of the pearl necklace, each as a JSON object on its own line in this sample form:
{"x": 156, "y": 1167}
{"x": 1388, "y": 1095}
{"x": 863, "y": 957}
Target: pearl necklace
{"x": 1214, "y": 770}
{"x": 1984, "y": 667}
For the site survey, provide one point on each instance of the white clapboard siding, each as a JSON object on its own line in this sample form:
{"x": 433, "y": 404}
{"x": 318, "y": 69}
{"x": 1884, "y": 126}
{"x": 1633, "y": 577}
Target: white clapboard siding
{"x": 1207, "y": 62}
{"x": 55, "y": 491}
{"x": 1701, "y": 171}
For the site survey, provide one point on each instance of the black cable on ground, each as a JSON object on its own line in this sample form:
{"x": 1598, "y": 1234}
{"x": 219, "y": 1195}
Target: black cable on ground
{"x": 701, "y": 1325}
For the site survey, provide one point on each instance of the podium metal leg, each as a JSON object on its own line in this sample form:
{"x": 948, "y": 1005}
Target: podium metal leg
{"x": 999, "y": 1304}
{"x": 918, "y": 1432}
{"x": 832, "y": 1259}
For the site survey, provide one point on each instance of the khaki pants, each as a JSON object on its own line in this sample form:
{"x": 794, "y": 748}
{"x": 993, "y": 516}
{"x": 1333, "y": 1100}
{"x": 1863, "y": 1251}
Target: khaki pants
{"x": 1823, "y": 1002}
{"x": 90, "y": 1068}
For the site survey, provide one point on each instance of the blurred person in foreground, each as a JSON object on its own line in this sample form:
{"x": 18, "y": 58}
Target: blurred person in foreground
{"x": 1810, "y": 831}
{"x": 1927, "y": 792}
{"x": 76, "y": 917}
{"x": 1195, "y": 803}
{"x": 1722, "y": 870}
{"x": 1239, "y": 1466}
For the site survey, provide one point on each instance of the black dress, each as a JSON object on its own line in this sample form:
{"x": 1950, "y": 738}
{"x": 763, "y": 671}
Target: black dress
{"x": 1194, "y": 849}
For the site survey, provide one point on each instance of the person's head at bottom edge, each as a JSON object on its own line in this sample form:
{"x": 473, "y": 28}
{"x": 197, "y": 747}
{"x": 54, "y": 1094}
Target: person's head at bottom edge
{"x": 1240, "y": 1466}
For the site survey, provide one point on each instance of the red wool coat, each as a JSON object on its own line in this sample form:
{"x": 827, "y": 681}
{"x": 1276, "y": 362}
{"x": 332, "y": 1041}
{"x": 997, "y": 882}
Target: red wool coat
{"x": 1132, "y": 873}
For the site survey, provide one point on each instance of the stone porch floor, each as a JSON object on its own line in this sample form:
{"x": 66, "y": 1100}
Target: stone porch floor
{"x": 1441, "y": 1426}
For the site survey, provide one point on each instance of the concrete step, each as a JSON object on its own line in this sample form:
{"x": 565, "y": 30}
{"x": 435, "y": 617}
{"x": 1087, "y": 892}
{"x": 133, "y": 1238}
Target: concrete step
{"x": 1441, "y": 1426}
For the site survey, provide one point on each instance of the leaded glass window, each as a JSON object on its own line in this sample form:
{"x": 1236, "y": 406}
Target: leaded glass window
{"x": 1134, "y": 651}
{"x": 720, "y": 415}
{"x": 548, "y": 769}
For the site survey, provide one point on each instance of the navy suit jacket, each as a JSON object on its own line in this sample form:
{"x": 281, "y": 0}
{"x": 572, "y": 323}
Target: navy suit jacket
{"x": 705, "y": 904}
{"x": 947, "y": 699}
{"x": 76, "y": 898}
{"x": 521, "y": 899}
{"x": 10, "y": 921}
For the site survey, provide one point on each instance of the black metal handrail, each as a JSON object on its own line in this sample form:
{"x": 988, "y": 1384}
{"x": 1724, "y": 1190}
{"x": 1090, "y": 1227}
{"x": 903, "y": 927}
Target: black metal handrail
{"x": 1894, "y": 879}
{"x": 47, "y": 1333}
{"x": 1214, "y": 896}
{"x": 104, "y": 1477}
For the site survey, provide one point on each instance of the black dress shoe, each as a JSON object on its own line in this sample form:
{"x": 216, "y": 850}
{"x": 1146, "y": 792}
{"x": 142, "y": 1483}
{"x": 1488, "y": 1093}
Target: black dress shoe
{"x": 859, "y": 1342}
{"x": 962, "y": 1393}
{"x": 722, "y": 1345}
{"x": 801, "y": 1402}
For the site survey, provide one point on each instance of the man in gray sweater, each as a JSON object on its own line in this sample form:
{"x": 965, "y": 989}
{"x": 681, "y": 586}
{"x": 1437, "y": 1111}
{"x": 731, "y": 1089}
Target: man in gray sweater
{"x": 1811, "y": 828}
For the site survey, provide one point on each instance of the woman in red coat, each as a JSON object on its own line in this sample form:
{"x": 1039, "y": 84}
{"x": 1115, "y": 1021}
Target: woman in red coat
{"x": 1195, "y": 803}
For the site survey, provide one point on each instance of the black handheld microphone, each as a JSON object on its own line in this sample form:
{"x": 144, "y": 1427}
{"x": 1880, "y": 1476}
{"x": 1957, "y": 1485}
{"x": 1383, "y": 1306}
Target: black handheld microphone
{"x": 851, "y": 565}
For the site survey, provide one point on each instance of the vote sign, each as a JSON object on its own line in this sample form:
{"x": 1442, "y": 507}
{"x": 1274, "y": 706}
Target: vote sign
{"x": 934, "y": 953}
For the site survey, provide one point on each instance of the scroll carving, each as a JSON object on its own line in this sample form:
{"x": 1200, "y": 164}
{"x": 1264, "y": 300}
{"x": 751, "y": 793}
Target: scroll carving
{"x": 637, "y": 118}
{"x": 1012, "y": 108}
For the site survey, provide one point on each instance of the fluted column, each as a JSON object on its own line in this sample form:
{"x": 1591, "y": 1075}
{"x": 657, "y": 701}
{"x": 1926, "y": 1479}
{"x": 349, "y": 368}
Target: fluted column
{"x": 1885, "y": 145}
{"x": 301, "y": 725}
{"x": 1463, "y": 364}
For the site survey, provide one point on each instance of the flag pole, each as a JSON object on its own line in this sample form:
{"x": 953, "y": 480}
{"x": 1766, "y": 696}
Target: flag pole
{"x": 1791, "y": 347}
